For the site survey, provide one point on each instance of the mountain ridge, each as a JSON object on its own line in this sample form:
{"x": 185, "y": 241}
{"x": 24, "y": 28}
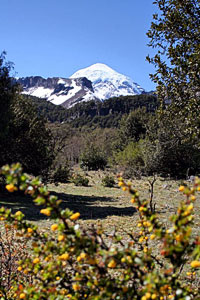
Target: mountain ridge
{"x": 59, "y": 91}
{"x": 96, "y": 82}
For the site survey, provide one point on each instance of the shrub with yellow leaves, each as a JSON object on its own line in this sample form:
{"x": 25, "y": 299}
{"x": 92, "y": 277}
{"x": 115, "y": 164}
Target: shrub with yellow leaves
{"x": 72, "y": 263}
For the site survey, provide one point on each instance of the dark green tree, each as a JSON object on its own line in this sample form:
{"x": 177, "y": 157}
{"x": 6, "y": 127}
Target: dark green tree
{"x": 168, "y": 150}
{"x": 93, "y": 158}
{"x": 23, "y": 136}
{"x": 8, "y": 91}
{"x": 29, "y": 141}
{"x": 132, "y": 127}
{"x": 175, "y": 34}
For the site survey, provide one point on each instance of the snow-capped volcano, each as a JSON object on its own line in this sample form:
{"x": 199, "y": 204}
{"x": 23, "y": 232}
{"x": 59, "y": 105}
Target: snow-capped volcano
{"x": 97, "y": 82}
{"x": 107, "y": 82}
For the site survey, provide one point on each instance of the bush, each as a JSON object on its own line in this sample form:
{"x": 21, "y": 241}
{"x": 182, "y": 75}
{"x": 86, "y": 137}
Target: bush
{"x": 130, "y": 160}
{"x": 72, "y": 263}
{"x": 61, "y": 174}
{"x": 108, "y": 181}
{"x": 93, "y": 159}
{"x": 79, "y": 180}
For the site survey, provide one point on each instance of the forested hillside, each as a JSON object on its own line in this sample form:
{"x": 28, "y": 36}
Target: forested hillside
{"x": 96, "y": 113}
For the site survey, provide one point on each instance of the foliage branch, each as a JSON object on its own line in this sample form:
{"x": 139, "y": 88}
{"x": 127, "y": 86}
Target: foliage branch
{"x": 74, "y": 263}
{"x": 174, "y": 33}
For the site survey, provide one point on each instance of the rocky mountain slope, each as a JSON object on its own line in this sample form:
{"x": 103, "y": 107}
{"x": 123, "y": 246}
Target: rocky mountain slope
{"x": 97, "y": 82}
{"x": 59, "y": 91}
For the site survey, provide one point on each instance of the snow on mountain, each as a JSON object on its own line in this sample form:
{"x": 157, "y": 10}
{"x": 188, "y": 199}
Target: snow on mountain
{"x": 39, "y": 92}
{"x": 59, "y": 91}
{"x": 107, "y": 82}
{"x": 97, "y": 82}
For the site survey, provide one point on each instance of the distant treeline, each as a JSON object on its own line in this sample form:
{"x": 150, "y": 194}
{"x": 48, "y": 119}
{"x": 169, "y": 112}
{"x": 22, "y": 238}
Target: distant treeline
{"x": 96, "y": 113}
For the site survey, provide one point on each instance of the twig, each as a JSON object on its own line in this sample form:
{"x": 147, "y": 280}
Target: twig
{"x": 151, "y": 191}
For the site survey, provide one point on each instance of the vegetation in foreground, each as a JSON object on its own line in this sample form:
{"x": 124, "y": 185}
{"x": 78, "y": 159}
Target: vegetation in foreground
{"x": 71, "y": 262}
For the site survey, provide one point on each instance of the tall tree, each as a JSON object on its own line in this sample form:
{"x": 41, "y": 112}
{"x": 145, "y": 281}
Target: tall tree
{"x": 175, "y": 33}
{"x": 23, "y": 136}
{"x": 7, "y": 94}
{"x": 29, "y": 141}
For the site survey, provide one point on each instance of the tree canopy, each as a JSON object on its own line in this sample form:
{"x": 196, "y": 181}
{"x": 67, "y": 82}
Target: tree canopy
{"x": 23, "y": 136}
{"x": 175, "y": 34}
{"x": 7, "y": 94}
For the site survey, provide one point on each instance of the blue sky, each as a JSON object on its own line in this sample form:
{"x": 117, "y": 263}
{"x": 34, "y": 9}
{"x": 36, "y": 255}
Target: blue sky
{"x": 58, "y": 37}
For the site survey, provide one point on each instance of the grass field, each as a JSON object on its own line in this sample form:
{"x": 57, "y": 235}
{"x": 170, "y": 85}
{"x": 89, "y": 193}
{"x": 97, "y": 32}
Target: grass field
{"x": 110, "y": 207}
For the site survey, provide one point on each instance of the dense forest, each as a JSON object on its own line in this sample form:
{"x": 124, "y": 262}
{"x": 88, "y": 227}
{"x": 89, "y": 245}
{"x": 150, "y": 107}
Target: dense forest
{"x": 95, "y": 113}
